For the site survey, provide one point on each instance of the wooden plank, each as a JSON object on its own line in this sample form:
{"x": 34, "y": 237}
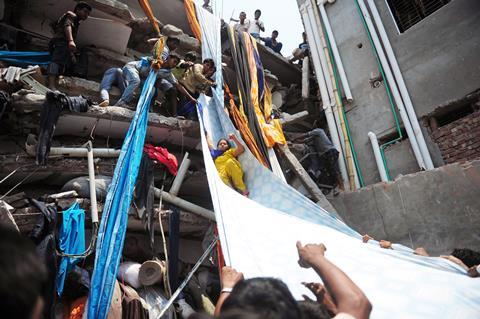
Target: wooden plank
{"x": 288, "y": 119}
{"x": 306, "y": 180}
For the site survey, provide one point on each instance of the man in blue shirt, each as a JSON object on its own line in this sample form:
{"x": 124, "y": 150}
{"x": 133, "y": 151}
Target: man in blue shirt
{"x": 272, "y": 42}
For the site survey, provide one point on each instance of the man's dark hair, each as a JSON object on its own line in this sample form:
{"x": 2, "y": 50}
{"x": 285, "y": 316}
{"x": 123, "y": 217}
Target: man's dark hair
{"x": 192, "y": 55}
{"x": 469, "y": 257}
{"x": 275, "y": 31}
{"x": 266, "y": 297}
{"x": 258, "y": 11}
{"x": 173, "y": 40}
{"x": 174, "y": 56}
{"x": 313, "y": 310}
{"x": 22, "y": 276}
{"x": 210, "y": 62}
{"x": 82, "y": 5}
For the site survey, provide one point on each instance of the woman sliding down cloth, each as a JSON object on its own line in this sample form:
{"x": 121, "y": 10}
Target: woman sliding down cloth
{"x": 225, "y": 158}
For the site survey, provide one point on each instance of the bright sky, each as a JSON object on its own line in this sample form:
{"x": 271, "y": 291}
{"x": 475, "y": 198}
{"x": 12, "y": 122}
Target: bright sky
{"x": 281, "y": 15}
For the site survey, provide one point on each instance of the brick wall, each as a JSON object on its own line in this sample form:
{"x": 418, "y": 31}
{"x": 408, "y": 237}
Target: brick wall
{"x": 459, "y": 140}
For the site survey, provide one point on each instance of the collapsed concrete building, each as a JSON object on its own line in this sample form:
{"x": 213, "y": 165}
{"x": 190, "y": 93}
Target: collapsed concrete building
{"x": 409, "y": 206}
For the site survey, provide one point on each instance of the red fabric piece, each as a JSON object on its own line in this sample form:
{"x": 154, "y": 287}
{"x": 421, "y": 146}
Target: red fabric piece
{"x": 162, "y": 155}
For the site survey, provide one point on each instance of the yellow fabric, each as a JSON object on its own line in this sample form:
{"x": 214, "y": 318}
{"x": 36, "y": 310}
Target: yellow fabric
{"x": 230, "y": 170}
{"x": 149, "y": 12}
{"x": 192, "y": 19}
{"x": 272, "y": 127}
{"x": 241, "y": 123}
{"x": 157, "y": 53}
{"x": 271, "y": 131}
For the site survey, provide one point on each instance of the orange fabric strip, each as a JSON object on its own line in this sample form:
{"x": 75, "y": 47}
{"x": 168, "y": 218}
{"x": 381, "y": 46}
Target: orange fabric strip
{"x": 149, "y": 12}
{"x": 242, "y": 125}
{"x": 192, "y": 19}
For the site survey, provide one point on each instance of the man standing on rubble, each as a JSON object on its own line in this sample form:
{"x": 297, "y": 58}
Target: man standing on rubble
{"x": 242, "y": 25}
{"x": 62, "y": 47}
{"x": 256, "y": 26}
{"x": 196, "y": 80}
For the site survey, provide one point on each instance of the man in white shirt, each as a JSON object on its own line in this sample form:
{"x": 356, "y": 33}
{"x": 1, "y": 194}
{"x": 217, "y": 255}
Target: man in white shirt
{"x": 256, "y": 26}
{"x": 243, "y": 24}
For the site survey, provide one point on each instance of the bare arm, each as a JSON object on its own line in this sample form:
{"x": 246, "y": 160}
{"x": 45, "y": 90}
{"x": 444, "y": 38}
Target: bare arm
{"x": 69, "y": 36}
{"x": 239, "y": 149}
{"x": 209, "y": 141}
{"x": 230, "y": 277}
{"x": 185, "y": 92}
{"x": 347, "y": 295}
{"x": 261, "y": 26}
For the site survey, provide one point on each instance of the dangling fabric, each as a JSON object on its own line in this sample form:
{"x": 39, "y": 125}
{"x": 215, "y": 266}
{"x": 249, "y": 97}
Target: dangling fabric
{"x": 238, "y": 48}
{"x": 55, "y": 103}
{"x": 71, "y": 241}
{"x": 192, "y": 19}
{"x": 143, "y": 196}
{"x": 23, "y": 59}
{"x": 149, "y": 12}
{"x": 158, "y": 57}
{"x": 113, "y": 226}
{"x": 43, "y": 235}
{"x": 162, "y": 155}
{"x": 271, "y": 134}
{"x": 242, "y": 125}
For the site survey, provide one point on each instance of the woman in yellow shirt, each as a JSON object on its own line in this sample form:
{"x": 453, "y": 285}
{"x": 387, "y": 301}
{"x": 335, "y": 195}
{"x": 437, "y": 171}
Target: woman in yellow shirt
{"x": 228, "y": 167}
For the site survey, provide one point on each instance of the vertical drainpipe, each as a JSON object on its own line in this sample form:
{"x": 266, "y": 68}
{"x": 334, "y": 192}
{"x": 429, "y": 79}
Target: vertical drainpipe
{"x": 391, "y": 81}
{"x": 336, "y": 54}
{"x": 378, "y": 157}
{"x": 315, "y": 51}
{"x": 401, "y": 85}
{"x": 337, "y": 106}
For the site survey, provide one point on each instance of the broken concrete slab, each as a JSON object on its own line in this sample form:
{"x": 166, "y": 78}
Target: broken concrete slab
{"x": 6, "y": 217}
{"x": 74, "y": 86}
{"x": 113, "y": 122}
{"x": 437, "y": 209}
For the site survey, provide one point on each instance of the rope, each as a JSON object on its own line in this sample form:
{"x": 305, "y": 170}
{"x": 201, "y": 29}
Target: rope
{"x": 20, "y": 183}
{"x": 206, "y": 253}
{"x": 166, "y": 278}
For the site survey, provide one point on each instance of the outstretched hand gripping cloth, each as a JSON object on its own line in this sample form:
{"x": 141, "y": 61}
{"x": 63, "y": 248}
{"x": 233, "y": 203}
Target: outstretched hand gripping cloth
{"x": 258, "y": 233}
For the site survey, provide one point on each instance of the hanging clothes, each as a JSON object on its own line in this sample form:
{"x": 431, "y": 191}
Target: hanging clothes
{"x": 144, "y": 196}
{"x": 71, "y": 241}
{"x": 173, "y": 247}
{"x": 24, "y": 59}
{"x": 43, "y": 235}
{"x": 192, "y": 19}
{"x": 55, "y": 103}
{"x": 162, "y": 155}
{"x": 113, "y": 225}
{"x": 241, "y": 123}
{"x": 246, "y": 87}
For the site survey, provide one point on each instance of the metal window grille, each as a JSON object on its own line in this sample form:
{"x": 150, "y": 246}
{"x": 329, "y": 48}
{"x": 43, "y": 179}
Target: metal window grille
{"x": 409, "y": 12}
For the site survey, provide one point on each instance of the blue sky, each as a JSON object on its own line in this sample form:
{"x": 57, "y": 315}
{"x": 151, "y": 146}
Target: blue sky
{"x": 281, "y": 15}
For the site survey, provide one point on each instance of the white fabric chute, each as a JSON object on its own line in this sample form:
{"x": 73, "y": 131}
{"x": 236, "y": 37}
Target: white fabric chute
{"x": 258, "y": 234}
